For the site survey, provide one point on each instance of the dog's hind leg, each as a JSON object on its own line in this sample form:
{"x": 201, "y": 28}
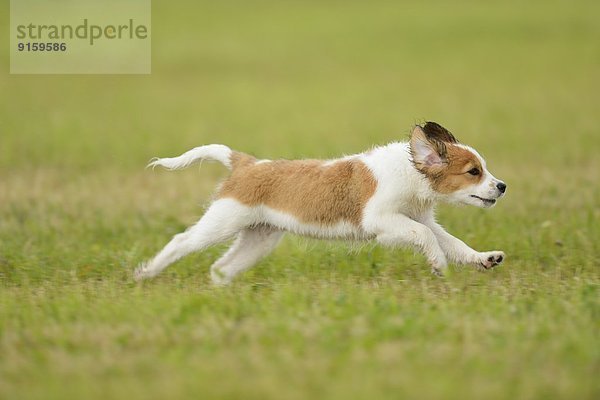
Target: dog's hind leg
{"x": 222, "y": 221}
{"x": 251, "y": 245}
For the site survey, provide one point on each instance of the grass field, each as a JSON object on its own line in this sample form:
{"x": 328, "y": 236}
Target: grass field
{"x": 520, "y": 81}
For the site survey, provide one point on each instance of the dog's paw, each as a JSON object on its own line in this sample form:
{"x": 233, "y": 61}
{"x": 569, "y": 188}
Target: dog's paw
{"x": 140, "y": 273}
{"x": 218, "y": 278}
{"x": 490, "y": 259}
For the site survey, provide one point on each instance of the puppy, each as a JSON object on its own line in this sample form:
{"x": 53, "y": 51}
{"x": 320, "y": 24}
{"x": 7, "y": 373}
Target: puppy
{"x": 387, "y": 194}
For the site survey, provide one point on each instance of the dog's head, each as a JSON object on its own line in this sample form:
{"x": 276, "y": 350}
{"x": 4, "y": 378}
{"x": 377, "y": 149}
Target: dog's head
{"x": 455, "y": 171}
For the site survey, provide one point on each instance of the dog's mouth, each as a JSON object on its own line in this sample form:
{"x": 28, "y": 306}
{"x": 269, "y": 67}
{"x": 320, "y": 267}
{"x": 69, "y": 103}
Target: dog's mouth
{"x": 485, "y": 201}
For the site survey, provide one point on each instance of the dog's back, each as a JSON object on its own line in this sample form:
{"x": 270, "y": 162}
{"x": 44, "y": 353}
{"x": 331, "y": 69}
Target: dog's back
{"x": 312, "y": 191}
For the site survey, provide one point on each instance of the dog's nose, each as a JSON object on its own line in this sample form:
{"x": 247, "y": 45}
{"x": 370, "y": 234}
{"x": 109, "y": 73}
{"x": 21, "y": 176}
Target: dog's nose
{"x": 501, "y": 187}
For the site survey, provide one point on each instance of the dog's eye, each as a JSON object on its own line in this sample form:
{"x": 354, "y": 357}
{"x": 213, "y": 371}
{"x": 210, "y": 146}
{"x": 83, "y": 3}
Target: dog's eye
{"x": 473, "y": 171}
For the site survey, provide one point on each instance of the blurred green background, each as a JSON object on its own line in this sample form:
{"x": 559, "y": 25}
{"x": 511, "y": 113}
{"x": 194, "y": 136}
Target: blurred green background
{"x": 519, "y": 81}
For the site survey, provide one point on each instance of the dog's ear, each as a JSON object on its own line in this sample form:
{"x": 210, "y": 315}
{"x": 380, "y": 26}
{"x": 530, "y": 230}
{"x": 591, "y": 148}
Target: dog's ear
{"x": 435, "y": 131}
{"x": 427, "y": 151}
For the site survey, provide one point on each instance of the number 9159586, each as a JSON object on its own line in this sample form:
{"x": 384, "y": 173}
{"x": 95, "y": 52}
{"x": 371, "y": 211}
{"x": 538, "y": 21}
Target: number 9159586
{"x": 42, "y": 47}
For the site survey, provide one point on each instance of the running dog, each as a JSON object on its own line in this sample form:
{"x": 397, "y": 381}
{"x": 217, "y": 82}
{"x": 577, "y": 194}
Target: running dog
{"x": 387, "y": 194}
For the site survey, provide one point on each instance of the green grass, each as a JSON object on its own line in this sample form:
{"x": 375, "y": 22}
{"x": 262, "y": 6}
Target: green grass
{"x": 520, "y": 82}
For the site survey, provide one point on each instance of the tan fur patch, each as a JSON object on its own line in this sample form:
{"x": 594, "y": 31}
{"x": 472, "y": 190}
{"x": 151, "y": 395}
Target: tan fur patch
{"x": 239, "y": 160}
{"x": 454, "y": 175}
{"x": 311, "y": 191}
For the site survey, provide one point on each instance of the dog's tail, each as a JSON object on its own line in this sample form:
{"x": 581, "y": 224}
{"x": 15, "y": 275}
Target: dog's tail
{"x": 211, "y": 152}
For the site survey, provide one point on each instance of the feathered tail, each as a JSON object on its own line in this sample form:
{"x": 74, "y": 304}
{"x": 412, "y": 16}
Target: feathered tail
{"x": 212, "y": 152}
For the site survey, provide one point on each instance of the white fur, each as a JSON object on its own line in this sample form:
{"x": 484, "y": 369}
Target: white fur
{"x": 400, "y": 213}
{"x": 289, "y": 223}
{"x": 212, "y": 152}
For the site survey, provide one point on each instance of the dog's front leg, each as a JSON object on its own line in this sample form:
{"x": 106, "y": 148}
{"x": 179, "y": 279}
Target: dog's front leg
{"x": 457, "y": 251}
{"x": 399, "y": 230}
